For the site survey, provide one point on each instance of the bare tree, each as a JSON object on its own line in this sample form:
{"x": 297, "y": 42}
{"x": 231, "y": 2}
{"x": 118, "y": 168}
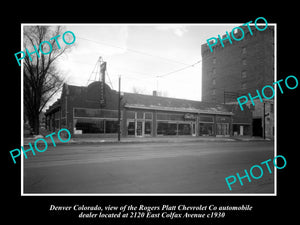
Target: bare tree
{"x": 138, "y": 90}
{"x": 164, "y": 94}
{"x": 41, "y": 76}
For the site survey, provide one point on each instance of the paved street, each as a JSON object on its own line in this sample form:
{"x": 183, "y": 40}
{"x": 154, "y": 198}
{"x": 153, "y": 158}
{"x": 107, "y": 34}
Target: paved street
{"x": 187, "y": 167}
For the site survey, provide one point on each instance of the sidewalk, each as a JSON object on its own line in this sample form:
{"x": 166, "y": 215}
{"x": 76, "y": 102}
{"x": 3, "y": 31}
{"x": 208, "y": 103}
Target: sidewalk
{"x": 250, "y": 138}
{"x": 163, "y": 139}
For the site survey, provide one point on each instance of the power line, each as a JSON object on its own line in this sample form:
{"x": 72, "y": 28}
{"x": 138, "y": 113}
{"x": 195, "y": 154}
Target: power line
{"x": 147, "y": 54}
{"x": 146, "y": 74}
{"x": 178, "y": 70}
{"x": 135, "y": 51}
{"x": 131, "y": 71}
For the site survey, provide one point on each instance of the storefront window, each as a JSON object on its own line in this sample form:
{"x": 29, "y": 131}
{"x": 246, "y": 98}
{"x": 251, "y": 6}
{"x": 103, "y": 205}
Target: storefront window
{"x": 139, "y": 128}
{"x": 222, "y": 129}
{"x": 130, "y": 115}
{"x": 90, "y": 125}
{"x": 222, "y": 119}
{"x": 148, "y": 127}
{"x": 168, "y": 116}
{"x": 177, "y": 117}
{"x": 96, "y": 126}
{"x": 162, "y": 116}
{"x": 111, "y": 127}
{"x": 208, "y": 119}
{"x": 131, "y": 128}
{"x": 241, "y": 129}
{"x": 148, "y": 115}
{"x": 140, "y": 115}
{"x": 205, "y": 129}
{"x": 101, "y": 113}
{"x": 184, "y": 129}
{"x": 164, "y": 128}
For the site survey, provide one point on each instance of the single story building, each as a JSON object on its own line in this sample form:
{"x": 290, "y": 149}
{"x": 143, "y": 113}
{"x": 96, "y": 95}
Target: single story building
{"x": 93, "y": 109}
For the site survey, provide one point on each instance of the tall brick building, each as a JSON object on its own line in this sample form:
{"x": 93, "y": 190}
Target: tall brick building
{"x": 241, "y": 68}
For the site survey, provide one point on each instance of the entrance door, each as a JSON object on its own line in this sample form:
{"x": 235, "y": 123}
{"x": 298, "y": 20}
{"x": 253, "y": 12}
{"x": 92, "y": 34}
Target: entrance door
{"x": 241, "y": 130}
{"x": 222, "y": 129}
{"x": 257, "y": 127}
{"x": 148, "y": 128}
{"x": 139, "y": 128}
{"x": 130, "y": 128}
{"x": 194, "y": 129}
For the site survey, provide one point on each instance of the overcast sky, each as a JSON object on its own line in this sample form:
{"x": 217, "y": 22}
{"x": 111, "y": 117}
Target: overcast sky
{"x": 140, "y": 53}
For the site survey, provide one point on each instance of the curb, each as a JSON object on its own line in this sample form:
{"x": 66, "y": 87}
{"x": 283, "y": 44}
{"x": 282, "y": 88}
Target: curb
{"x": 175, "y": 140}
{"x": 145, "y": 140}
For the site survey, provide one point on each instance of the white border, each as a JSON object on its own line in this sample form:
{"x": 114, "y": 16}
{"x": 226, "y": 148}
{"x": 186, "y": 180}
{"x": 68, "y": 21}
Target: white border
{"x": 149, "y": 194}
{"x": 22, "y": 117}
{"x": 275, "y": 105}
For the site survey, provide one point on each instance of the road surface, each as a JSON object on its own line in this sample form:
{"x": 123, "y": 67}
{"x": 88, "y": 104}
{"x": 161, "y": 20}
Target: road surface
{"x": 142, "y": 168}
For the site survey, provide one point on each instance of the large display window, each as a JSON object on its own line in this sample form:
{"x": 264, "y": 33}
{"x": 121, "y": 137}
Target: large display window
{"x": 165, "y": 128}
{"x": 101, "y": 121}
{"x": 184, "y": 129}
{"x": 206, "y": 129}
{"x": 130, "y": 128}
{"x": 101, "y": 126}
{"x": 148, "y": 127}
{"x": 139, "y": 123}
{"x": 100, "y": 113}
{"x": 206, "y": 126}
{"x": 173, "y": 128}
{"x": 222, "y": 128}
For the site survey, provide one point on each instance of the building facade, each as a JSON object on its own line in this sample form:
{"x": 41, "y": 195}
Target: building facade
{"x": 238, "y": 68}
{"x": 241, "y": 68}
{"x": 80, "y": 110}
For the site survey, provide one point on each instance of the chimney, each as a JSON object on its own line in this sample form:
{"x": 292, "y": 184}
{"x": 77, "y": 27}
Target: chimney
{"x": 154, "y": 93}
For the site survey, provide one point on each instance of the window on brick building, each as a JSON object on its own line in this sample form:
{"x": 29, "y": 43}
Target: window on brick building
{"x": 272, "y": 108}
{"x": 244, "y": 85}
{"x": 214, "y": 81}
{"x": 244, "y": 50}
{"x": 244, "y": 74}
{"x": 214, "y": 60}
{"x": 214, "y": 71}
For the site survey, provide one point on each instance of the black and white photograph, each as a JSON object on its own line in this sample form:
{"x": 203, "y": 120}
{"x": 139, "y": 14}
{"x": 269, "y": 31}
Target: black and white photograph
{"x": 150, "y": 108}
{"x": 150, "y": 120}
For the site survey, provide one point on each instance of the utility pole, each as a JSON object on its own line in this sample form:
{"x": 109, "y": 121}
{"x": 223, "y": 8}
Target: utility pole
{"x": 119, "y": 110}
{"x": 264, "y": 122}
{"x": 264, "y": 118}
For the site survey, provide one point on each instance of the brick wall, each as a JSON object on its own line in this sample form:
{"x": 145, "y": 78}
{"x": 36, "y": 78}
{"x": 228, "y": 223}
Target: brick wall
{"x": 240, "y": 67}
